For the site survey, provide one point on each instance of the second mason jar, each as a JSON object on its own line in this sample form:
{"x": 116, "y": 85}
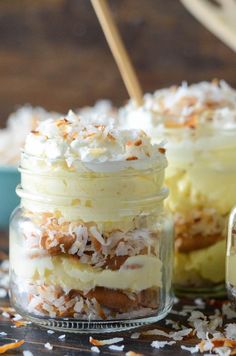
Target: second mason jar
{"x": 91, "y": 244}
{"x": 198, "y": 122}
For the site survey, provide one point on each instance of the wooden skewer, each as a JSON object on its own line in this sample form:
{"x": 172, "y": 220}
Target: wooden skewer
{"x": 118, "y": 50}
{"x": 215, "y": 20}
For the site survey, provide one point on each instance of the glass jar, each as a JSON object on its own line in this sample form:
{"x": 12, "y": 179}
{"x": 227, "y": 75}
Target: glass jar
{"x": 91, "y": 248}
{"x": 201, "y": 177}
{"x": 231, "y": 259}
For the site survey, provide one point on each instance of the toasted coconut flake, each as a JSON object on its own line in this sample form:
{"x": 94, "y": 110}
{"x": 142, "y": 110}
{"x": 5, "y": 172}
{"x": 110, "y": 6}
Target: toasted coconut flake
{"x": 131, "y": 158}
{"x": 156, "y": 332}
{"x": 132, "y": 353}
{"x": 8, "y": 310}
{"x": 12, "y": 345}
{"x": 19, "y": 323}
{"x": 95, "y": 349}
{"x": 96, "y": 342}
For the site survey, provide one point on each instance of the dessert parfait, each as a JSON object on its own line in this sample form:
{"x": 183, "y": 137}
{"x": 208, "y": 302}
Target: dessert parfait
{"x": 90, "y": 244}
{"x": 199, "y": 123}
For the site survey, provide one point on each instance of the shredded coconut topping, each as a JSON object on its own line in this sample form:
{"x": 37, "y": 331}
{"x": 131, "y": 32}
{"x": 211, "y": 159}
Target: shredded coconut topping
{"x": 73, "y": 138}
{"x": 189, "y": 106}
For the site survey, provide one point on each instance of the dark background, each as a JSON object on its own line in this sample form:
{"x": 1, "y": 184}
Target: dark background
{"x": 53, "y": 53}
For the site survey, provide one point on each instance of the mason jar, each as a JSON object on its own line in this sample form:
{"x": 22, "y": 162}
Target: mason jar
{"x": 231, "y": 258}
{"x": 198, "y": 121}
{"x": 91, "y": 248}
{"x": 201, "y": 177}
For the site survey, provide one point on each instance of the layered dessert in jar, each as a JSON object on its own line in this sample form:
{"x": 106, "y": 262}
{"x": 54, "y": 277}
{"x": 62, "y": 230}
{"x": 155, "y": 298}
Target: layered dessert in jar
{"x": 90, "y": 244}
{"x": 199, "y": 124}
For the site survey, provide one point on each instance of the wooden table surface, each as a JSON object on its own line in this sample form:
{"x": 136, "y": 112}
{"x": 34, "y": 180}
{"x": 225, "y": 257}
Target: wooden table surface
{"x": 78, "y": 344}
{"x": 53, "y": 53}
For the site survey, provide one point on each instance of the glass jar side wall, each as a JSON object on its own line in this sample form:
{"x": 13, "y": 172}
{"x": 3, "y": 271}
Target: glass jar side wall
{"x": 71, "y": 267}
{"x": 201, "y": 178}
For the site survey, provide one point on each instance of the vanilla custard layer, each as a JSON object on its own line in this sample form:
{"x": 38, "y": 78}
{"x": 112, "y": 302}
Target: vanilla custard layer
{"x": 202, "y": 179}
{"x": 136, "y": 274}
{"x": 93, "y": 196}
{"x": 231, "y": 269}
{"x": 207, "y": 264}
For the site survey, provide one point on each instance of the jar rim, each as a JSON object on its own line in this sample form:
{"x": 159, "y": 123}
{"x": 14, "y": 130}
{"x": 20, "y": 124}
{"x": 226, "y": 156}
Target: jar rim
{"x": 54, "y": 200}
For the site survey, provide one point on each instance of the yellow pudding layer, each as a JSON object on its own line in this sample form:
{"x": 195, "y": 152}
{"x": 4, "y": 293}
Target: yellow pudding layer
{"x": 208, "y": 180}
{"x": 207, "y": 264}
{"x": 92, "y": 196}
{"x": 231, "y": 269}
{"x": 136, "y": 274}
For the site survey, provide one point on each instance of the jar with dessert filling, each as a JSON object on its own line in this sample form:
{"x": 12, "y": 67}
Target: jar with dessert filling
{"x": 199, "y": 124}
{"x": 231, "y": 259}
{"x": 90, "y": 243}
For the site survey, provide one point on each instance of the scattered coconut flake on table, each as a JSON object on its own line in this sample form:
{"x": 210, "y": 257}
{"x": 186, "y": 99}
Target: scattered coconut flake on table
{"x": 179, "y": 335}
{"x": 95, "y": 349}
{"x": 191, "y": 349}
{"x": 205, "y": 345}
{"x": 3, "y": 293}
{"x": 156, "y": 332}
{"x": 175, "y": 324}
{"x": 132, "y": 353}
{"x": 230, "y": 331}
{"x": 222, "y": 351}
{"x": 135, "y": 335}
{"x": 161, "y": 344}
{"x": 228, "y": 311}
{"x": 17, "y": 317}
{"x": 20, "y": 323}
{"x": 6, "y": 314}
{"x": 27, "y": 353}
{"x": 62, "y": 337}
{"x": 50, "y": 332}
{"x": 11, "y": 346}
{"x": 199, "y": 302}
{"x": 48, "y": 346}
{"x": 2, "y": 333}
{"x": 96, "y": 342}
{"x": 116, "y": 347}
{"x": 176, "y": 335}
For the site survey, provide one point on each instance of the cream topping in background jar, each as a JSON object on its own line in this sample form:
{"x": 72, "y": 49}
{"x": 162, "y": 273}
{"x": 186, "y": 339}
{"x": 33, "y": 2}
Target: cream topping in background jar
{"x": 199, "y": 124}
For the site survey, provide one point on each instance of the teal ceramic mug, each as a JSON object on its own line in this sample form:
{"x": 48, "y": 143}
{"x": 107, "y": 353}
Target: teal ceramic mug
{"x": 9, "y": 178}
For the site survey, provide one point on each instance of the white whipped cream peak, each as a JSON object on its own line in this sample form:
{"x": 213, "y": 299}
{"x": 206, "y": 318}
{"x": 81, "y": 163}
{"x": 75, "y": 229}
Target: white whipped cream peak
{"x": 18, "y": 125}
{"x": 205, "y": 103}
{"x": 97, "y": 140}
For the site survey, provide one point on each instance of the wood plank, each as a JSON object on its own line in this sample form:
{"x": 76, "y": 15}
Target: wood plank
{"x": 54, "y": 53}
